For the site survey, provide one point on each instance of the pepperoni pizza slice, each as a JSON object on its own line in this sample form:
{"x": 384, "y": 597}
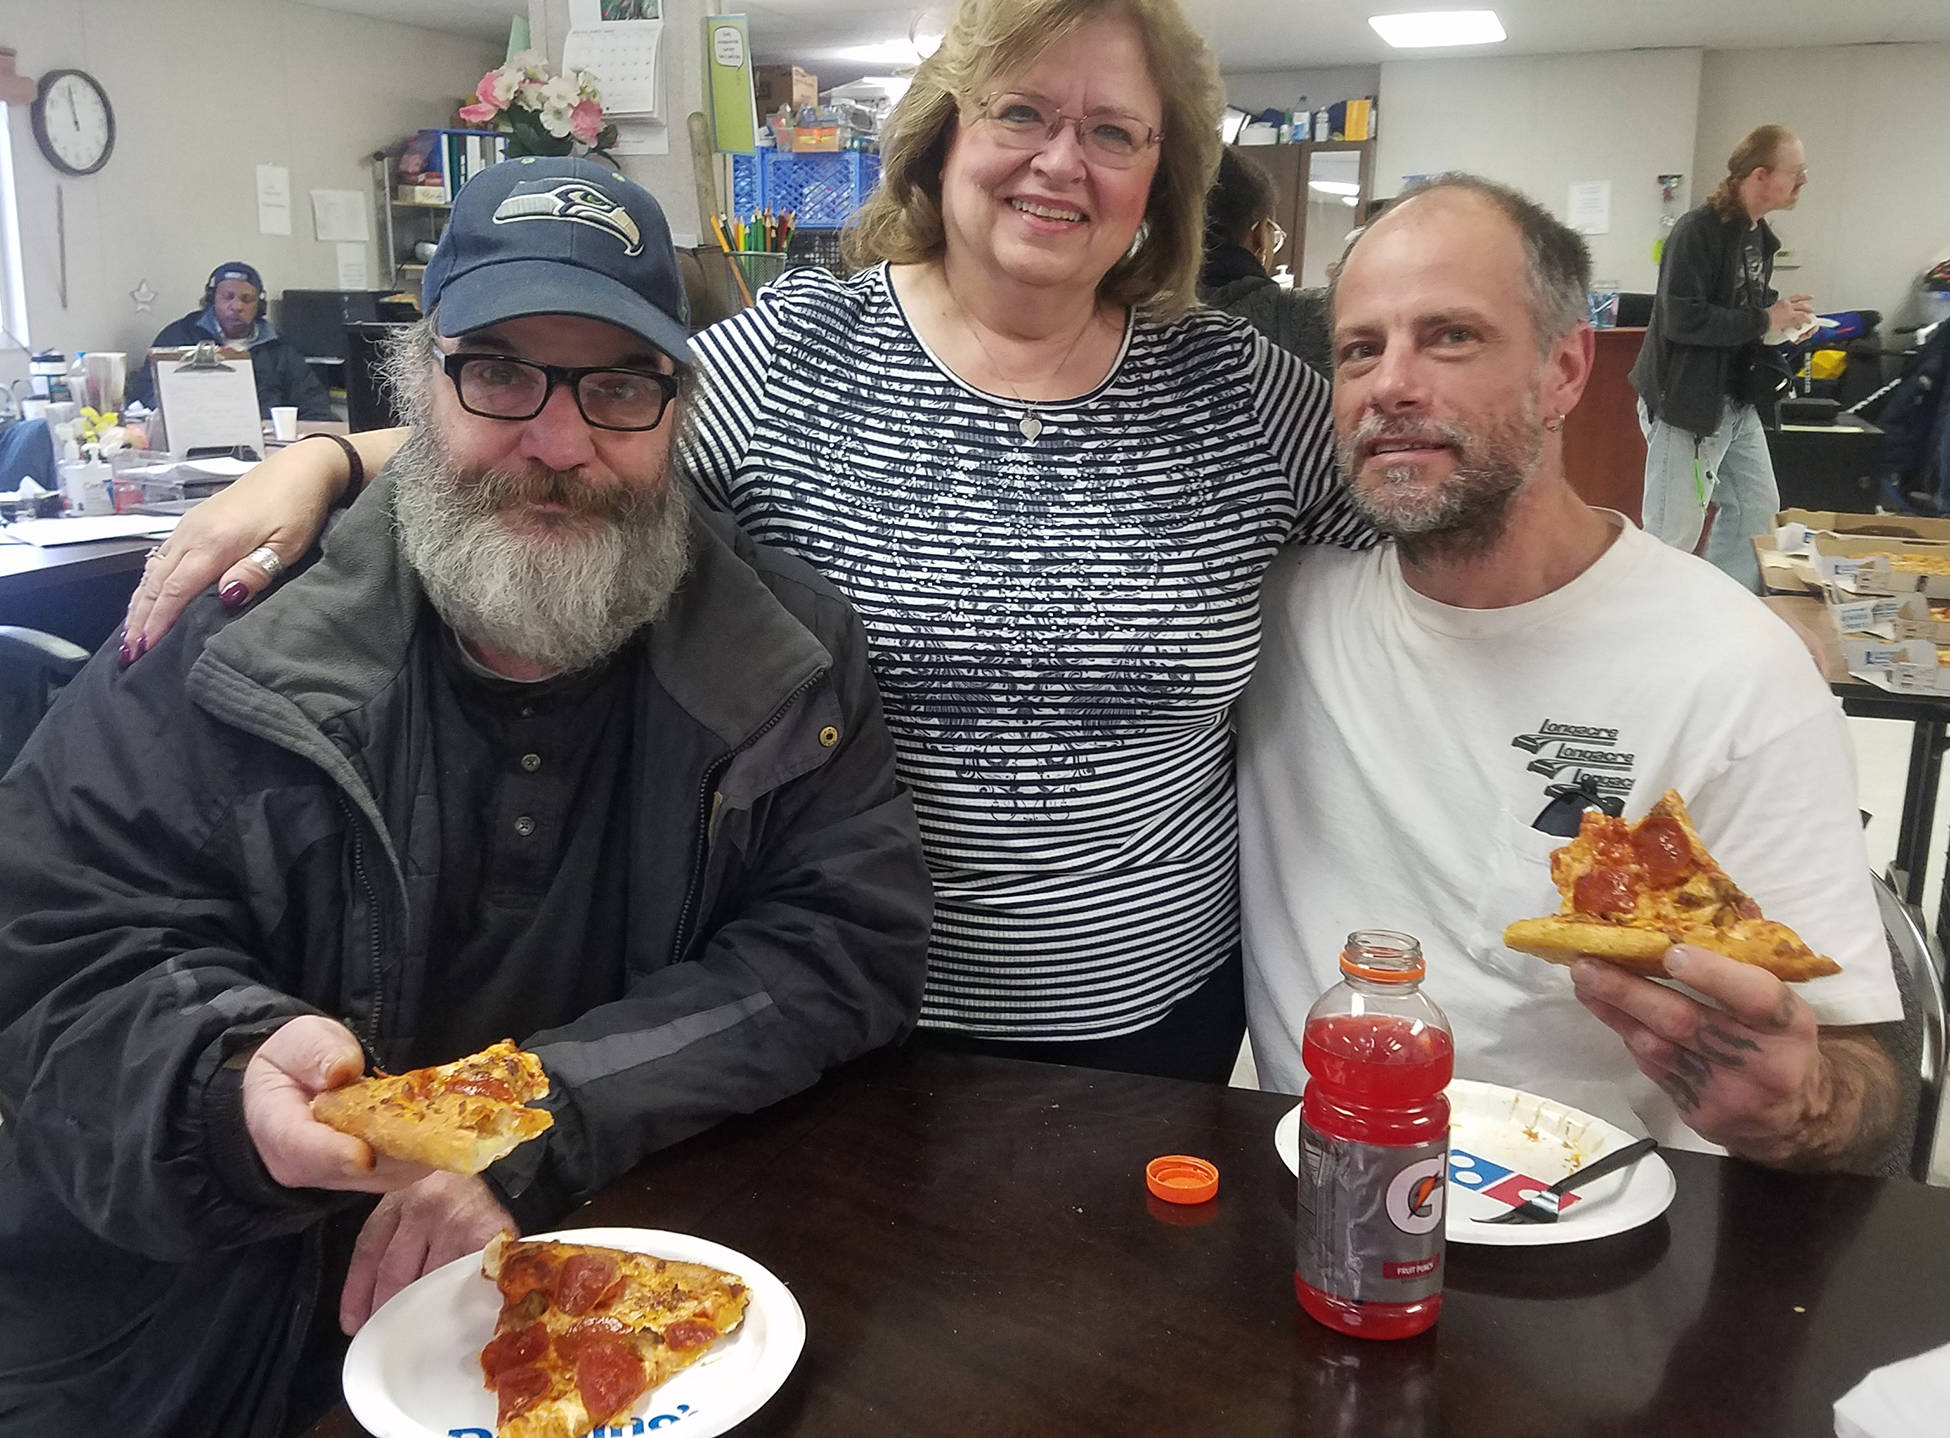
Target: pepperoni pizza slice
{"x": 585, "y": 1332}
{"x": 460, "y": 1116}
{"x": 1631, "y": 891}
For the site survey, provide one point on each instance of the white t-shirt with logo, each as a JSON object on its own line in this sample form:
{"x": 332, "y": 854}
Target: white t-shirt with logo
{"x": 1394, "y": 753}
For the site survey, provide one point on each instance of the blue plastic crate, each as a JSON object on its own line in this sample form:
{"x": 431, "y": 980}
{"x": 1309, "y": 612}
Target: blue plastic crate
{"x": 821, "y": 191}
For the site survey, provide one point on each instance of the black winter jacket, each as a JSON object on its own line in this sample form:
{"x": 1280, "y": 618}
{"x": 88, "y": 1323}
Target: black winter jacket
{"x": 243, "y": 827}
{"x": 1295, "y": 320}
{"x": 279, "y": 371}
{"x": 1685, "y": 368}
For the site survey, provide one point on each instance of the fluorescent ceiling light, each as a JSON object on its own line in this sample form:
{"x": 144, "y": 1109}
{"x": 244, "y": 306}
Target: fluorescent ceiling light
{"x": 882, "y": 52}
{"x": 1432, "y": 28}
{"x": 1334, "y": 187}
{"x": 1348, "y": 200}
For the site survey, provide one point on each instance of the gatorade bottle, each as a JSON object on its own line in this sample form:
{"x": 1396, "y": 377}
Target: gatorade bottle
{"x": 1374, "y": 1144}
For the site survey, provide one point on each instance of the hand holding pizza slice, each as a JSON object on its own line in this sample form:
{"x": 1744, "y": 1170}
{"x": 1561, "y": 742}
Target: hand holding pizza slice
{"x": 1632, "y": 891}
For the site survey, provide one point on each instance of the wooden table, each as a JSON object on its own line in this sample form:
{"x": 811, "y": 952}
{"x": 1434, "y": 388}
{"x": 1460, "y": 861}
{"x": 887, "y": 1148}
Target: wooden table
{"x": 78, "y": 591}
{"x": 975, "y": 1253}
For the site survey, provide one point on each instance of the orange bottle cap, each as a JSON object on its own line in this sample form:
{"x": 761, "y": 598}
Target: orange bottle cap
{"x": 1180, "y": 1178}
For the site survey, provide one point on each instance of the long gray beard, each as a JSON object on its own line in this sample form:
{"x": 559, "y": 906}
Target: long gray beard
{"x": 562, "y": 602}
{"x": 1467, "y": 514}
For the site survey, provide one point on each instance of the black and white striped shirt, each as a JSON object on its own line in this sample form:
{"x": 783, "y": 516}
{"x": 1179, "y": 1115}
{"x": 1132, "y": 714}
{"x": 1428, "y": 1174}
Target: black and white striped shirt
{"x": 1059, "y": 626}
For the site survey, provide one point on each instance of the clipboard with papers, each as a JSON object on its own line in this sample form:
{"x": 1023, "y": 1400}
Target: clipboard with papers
{"x": 208, "y": 398}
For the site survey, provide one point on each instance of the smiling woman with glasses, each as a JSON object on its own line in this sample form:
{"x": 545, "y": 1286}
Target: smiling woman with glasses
{"x": 1050, "y": 483}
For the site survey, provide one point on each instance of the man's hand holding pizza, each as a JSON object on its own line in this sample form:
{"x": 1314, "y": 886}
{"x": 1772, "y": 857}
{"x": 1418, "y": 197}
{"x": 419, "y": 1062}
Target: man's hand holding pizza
{"x": 1750, "y": 1070}
{"x": 305, "y": 1057}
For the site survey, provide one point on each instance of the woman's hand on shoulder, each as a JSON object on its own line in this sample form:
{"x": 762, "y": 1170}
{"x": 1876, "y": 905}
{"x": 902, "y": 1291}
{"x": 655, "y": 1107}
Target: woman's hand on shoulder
{"x": 280, "y": 506}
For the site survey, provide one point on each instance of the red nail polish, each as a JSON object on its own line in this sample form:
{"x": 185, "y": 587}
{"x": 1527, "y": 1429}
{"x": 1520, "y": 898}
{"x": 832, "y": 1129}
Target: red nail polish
{"x": 123, "y": 656}
{"x": 141, "y": 646}
{"x": 234, "y": 593}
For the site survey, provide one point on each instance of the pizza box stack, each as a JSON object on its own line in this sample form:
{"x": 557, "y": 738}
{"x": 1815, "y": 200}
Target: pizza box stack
{"x": 1890, "y": 616}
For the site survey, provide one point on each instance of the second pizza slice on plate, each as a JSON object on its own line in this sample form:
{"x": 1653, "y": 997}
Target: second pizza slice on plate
{"x": 585, "y": 1332}
{"x": 1629, "y": 892}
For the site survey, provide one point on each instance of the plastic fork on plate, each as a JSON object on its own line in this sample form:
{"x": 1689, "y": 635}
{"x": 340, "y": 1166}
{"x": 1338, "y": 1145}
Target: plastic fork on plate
{"x": 1541, "y": 1207}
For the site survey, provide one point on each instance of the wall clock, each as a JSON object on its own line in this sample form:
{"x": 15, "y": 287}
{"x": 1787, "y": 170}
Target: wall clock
{"x": 73, "y": 122}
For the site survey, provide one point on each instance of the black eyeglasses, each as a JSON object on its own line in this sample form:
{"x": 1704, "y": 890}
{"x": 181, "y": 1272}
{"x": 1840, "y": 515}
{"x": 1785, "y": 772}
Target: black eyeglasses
{"x": 503, "y": 387}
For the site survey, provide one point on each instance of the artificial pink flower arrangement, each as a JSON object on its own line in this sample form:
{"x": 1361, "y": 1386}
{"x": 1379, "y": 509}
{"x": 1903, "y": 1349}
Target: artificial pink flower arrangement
{"x": 542, "y": 114}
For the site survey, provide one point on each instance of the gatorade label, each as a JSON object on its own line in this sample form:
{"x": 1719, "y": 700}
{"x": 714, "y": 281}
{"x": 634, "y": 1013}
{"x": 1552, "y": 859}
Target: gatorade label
{"x": 1371, "y": 1218}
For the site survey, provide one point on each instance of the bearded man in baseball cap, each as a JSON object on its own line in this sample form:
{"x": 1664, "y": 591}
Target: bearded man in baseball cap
{"x": 529, "y": 748}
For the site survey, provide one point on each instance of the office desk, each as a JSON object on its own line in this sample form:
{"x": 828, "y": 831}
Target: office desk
{"x": 1929, "y": 739}
{"x": 975, "y": 1253}
{"x": 78, "y": 591}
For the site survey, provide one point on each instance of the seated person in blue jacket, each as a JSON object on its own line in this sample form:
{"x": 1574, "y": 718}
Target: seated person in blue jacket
{"x": 531, "y": 749}
{"x": 233, "y": 314}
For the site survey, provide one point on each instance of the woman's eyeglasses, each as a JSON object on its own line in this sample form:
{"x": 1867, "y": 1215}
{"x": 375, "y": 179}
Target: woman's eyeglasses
{"x": 1029, "y": 122}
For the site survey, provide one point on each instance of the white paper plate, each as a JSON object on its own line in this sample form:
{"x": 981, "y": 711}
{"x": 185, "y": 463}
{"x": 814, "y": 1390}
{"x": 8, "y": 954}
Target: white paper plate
{"x": 414, "y": 1370}
{"x": 1493, "y": 1129}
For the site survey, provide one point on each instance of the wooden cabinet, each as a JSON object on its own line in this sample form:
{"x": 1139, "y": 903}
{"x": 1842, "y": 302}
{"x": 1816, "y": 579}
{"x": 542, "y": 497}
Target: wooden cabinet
{"x": 1604, "y": 453}
{"x": 1321, "y": 191}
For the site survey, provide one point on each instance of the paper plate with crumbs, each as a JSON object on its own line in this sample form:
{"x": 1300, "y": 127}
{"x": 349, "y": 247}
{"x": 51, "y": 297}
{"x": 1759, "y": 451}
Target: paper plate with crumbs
{"x": 1505, "y": 1145}
{"x": 414, "y": 1370}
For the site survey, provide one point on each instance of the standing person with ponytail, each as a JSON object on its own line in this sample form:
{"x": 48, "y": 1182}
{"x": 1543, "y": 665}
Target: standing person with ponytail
{"x": 1704, "y": 367}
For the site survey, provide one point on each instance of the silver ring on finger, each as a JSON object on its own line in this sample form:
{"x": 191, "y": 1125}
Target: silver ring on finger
{"x": 266, "y": 559}
{"x": 154, "y": 553}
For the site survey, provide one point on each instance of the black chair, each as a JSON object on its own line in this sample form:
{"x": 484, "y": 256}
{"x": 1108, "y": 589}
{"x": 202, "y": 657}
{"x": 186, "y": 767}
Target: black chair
{"x": 33, "y": 667}
{"x": 1920, "y": 1042}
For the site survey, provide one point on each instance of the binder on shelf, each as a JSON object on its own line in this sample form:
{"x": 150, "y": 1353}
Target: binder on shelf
{"x": 448, "y": 159}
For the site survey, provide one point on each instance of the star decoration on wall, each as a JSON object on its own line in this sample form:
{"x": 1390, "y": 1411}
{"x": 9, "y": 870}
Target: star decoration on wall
{"x": 144, "y": 297}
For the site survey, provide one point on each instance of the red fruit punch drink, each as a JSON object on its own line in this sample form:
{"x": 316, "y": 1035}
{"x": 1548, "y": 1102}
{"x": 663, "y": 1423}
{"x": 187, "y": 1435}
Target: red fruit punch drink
{"x": 1374, "y": 1144}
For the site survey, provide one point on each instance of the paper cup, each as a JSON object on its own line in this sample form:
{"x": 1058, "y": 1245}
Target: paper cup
{"x": 284, "y": 421}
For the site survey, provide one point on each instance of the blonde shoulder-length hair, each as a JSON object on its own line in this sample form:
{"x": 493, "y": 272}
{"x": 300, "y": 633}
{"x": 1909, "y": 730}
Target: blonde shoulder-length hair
{"x": 901, "y": 220}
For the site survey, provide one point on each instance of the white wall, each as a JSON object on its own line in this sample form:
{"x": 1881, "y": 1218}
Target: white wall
{"x": 671, "y": 177}
{"x": 1543, "y": 123}
{"x": 1281, "y": 89}
{"x": 1876, "y": 211}
{"x": 203, "y": 92}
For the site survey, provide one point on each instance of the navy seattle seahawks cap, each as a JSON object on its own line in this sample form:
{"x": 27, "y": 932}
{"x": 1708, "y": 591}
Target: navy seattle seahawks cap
{"x": 553, "y": 235}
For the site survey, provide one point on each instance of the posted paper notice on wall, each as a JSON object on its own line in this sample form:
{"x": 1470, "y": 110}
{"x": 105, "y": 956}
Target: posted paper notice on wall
{"x": 352, "y": 266}
{"x": 339, "y": 215}
{"x": 1589, "y": 212}
{"x": 273, "y": 200}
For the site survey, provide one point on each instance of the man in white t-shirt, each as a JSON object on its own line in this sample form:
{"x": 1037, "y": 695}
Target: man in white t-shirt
{"x": 1419, "y": 707}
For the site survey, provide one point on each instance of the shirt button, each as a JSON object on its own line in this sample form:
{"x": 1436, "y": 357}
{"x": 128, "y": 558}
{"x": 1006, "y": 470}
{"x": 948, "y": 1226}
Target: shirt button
{"x": 530, "y": 763}
{"x": 828, "y": 737}
{"x": 524, "y": 826}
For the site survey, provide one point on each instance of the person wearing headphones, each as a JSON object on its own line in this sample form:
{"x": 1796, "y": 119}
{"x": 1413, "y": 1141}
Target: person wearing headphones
{"x": 233, "y": 314}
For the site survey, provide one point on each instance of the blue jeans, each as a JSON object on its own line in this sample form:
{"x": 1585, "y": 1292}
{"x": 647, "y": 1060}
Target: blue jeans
{"x": 1734, "y": 473}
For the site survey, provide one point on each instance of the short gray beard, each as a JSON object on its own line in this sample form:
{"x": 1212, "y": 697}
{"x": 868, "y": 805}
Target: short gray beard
{"x": 1467, "y": 514}
{"x": 561, "y": 602}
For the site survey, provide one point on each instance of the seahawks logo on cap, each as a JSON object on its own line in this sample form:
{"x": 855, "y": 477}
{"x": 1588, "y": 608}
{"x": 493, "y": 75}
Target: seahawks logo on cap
{"x": 578, "y": 202}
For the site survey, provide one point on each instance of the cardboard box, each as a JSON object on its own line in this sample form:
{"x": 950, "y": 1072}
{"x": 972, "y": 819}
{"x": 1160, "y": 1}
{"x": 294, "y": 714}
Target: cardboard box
{"x": 1895, "y": 526}
{"x": 810, "y": 139}
{"x": 776, "y": 85}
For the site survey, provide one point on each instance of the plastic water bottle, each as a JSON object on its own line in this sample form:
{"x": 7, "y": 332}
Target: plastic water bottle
{"x": 1374, "y": 1144}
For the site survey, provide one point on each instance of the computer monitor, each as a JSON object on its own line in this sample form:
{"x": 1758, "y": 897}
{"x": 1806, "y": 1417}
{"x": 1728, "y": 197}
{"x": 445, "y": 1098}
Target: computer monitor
{"x": 313, "y": 321}
{"x": 368, "y": 405}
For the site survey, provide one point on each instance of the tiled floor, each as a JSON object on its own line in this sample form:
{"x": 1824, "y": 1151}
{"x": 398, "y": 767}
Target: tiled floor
{"x": 1882, "y": 766}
